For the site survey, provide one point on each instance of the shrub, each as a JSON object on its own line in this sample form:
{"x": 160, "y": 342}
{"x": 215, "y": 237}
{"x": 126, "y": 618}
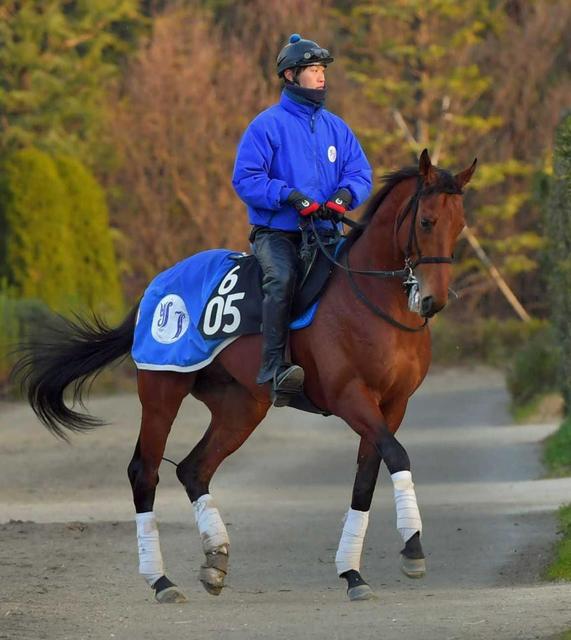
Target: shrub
{"x": 558, "y": 223}
{"x": 535, "y": 368}
{"x": 557, "y": 451}
{"x": 487, "y": 341}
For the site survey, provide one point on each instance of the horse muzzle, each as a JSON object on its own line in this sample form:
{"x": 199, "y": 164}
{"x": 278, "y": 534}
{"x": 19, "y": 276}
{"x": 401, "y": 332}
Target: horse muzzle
{"x": 429, "y": 307}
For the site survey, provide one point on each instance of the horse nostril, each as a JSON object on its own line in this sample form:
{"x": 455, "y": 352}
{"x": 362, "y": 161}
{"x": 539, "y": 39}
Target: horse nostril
{"x": 426, "y": 306}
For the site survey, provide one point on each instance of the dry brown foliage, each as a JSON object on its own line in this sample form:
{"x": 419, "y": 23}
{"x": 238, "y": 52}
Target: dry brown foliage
{"x": 200, "y": 79}
{"x": 176, "y": 122}
{"x": 530, "y": 60}
{"x": 185, "y": 103}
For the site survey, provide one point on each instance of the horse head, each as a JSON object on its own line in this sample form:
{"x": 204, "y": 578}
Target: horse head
{"x": 436, "y": 215}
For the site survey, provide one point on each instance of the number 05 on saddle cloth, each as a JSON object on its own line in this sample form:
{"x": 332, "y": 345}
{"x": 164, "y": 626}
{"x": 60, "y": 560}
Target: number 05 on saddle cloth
{"x": 193, "y": 310}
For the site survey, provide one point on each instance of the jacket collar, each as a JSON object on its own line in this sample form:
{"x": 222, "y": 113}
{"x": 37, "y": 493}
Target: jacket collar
{"x": 297, "y": 108}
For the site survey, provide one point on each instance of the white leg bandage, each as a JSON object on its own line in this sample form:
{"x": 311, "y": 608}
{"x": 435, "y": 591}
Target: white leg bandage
{"x": 408, "y": 515}
{"x": 210, "y": 525}
{"x": 348, "y": 554}
{"x": 150, "y": 558}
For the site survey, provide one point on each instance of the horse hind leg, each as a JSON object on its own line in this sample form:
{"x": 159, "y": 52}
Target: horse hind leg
{"x": 235, "y": 415}
{"x": 161, "y": 395}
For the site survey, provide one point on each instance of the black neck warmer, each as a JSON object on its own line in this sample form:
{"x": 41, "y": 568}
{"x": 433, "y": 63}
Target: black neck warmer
{"x": 314, "y": 97}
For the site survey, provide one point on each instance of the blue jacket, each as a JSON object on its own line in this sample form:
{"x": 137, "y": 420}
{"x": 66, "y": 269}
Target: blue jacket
{"x": 297, "y": 146}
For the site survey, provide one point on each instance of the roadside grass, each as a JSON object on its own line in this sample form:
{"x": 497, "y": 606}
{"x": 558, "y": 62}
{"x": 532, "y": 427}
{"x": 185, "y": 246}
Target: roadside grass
{"x": 557, "y": 451}
{"x": 557, "y": 458}
{"x": 560, "y": 568}
{"x": 565, "y": 635}
{"x": 544, "y": 408}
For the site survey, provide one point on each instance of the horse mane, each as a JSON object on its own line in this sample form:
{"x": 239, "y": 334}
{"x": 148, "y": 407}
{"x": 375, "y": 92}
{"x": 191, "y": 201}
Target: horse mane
{"x": 446, "y": 183}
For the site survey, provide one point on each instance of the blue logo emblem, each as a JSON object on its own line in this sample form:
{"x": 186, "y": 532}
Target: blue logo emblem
{"x": 164, "y": 314}
{"x": 170, "y": 320}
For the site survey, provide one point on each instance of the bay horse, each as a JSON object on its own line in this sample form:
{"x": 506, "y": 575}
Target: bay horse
{"x": 364, "y": 355}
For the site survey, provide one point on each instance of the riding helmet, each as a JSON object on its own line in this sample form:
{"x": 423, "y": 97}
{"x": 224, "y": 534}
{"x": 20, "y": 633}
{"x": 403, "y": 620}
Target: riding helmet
{"x": 301, "y": 53}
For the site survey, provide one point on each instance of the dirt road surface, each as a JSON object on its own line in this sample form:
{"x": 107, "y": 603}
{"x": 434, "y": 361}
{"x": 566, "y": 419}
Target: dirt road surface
{"x": 68, "y": 557}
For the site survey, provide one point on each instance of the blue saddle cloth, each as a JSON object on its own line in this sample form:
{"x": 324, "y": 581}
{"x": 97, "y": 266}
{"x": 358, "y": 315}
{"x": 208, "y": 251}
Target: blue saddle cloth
{"x": 193, "y": 310}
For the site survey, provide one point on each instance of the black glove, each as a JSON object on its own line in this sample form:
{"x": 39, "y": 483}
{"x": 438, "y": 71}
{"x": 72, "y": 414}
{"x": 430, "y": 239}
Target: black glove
{"x": 305, "y": 206}
{"x": 336, "y": 207}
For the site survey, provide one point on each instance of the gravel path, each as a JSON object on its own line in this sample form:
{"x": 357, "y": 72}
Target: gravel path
{"x": 68, "y": 550}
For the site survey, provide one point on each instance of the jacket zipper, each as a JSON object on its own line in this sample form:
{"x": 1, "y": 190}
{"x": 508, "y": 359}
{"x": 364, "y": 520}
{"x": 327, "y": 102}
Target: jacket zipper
{"x": 315, "y": 145}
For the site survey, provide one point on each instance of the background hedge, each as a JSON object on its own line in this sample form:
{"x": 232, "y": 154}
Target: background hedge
{"x": 55, "y": 240}
{"x": 35, "y": 256}
{"x": 558, "y": 223}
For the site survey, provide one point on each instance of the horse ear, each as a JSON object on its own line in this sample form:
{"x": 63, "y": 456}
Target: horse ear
{"x": 426, "y": 169}
{"x": 465, "y": 176}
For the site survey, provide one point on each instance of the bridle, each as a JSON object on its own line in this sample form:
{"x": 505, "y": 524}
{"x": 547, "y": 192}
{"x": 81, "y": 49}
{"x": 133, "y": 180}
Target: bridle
{"x": 412, "y": 248}
{"x": 414, "y": 203}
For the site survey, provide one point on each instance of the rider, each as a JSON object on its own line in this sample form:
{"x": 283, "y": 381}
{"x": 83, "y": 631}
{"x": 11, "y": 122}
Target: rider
{"x": 294, "y": 159}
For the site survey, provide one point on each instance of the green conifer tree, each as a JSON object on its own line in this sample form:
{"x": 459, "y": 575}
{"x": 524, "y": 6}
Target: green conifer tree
{"x": 56, "y": 57}
{"x": 416, "y": 63}
{"x": 36, "y": 257}
{"x": 96, "y": 274}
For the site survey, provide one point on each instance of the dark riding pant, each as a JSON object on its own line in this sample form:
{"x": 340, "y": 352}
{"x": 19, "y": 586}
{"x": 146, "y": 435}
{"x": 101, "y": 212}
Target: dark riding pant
{"x": 277, "y": 253}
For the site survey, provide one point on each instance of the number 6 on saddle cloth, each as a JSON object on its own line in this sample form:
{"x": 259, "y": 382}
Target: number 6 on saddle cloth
{"x": 193, "y": 310}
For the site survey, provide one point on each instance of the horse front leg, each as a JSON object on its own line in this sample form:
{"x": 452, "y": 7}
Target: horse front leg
{"x": 161, "y": 394}
{"x": 376, "y": 427}
{"x": 409, "y": 523}
{"x": 348, "y": 556}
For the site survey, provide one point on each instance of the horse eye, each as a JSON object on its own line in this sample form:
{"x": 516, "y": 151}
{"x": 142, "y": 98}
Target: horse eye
{"x": 426, "y": 224}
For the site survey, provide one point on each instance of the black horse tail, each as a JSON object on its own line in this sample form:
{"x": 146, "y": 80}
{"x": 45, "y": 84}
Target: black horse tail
{"x": 70, "y": 354}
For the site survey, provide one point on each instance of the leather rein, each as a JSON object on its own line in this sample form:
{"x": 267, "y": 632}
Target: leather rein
{"x": 407, "y": 272}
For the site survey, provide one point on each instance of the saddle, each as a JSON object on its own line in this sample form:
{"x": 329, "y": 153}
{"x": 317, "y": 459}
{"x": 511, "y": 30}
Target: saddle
{"x": 197, "y": 307}
{"x": 234, "y": 307}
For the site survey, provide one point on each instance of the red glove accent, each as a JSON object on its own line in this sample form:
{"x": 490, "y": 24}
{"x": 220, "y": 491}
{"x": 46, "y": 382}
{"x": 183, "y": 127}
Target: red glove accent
{"x": 337, "y": 207}
{"x": 312, "y": 208}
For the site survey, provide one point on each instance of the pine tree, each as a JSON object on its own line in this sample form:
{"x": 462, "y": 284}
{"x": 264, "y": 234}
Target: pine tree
{"x": 56, "y": 57}
{"x": 414, "y": 61}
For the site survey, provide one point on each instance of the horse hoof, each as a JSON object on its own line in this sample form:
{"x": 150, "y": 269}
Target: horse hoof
{"x": 213, "y": 573}
{"x": 211, "y": 589}
{"x": 212, "y": 580}
{"x": 361, "y": 592}
{"x": 170, "y": 595}
{"x": 413, "y": 568}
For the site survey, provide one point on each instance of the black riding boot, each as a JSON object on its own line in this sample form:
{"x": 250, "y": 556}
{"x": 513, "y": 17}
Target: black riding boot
{"x": 287, "y": 379}
{"x": 277, "y": 254}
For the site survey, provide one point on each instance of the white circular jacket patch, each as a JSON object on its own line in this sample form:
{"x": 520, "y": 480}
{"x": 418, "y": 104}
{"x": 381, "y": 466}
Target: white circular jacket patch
{"x": 332, "y": 153}
{"x": 170, "y": 320}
